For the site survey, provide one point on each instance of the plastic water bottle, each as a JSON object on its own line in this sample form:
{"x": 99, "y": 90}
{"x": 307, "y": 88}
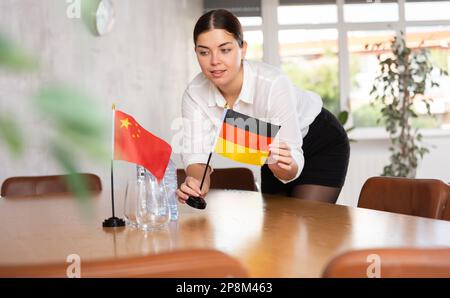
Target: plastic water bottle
{"x": 153, "y": 209}
{"x": 171, "y": 185}
{"x": 141, "y": 172}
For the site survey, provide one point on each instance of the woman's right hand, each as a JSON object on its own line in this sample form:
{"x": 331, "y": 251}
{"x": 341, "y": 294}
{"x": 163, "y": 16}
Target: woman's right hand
{"x": 190, "y": 187}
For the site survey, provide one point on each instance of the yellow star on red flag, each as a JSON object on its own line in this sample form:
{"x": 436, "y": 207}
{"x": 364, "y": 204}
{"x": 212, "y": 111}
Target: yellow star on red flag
{"x": 125, "y": 123}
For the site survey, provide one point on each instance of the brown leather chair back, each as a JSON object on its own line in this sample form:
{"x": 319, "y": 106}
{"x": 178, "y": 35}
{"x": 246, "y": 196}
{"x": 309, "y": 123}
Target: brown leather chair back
{"x": 446, "y": 213}
{"x": 231, "y": 178}
{"x": 194, "y": 263}
{"x": 419, "y": 197}
{"x": 43, "y": 185}
{"x": 391, "y": 262}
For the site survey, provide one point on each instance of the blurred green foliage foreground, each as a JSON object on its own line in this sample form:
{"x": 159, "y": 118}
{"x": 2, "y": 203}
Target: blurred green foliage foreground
{"x": 75, "y": 126}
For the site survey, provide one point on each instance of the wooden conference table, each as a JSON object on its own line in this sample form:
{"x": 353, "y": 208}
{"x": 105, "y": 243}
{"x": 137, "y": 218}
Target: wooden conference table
{"x": 271, "y": 236}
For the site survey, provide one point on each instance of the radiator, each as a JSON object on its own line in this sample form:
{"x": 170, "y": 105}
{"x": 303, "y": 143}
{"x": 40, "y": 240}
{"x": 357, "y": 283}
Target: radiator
{"x": 361, "y": 167}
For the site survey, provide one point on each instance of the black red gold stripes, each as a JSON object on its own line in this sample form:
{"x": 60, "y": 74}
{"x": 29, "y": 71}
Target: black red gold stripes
{"x": 245, "y": 139}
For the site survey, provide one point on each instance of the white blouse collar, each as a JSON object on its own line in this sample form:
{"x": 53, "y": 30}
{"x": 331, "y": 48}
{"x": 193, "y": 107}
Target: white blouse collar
{"x": 247, "y": 92}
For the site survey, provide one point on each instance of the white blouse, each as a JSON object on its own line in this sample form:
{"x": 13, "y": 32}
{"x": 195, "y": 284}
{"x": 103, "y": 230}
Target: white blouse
{"x": 266, "y": 94}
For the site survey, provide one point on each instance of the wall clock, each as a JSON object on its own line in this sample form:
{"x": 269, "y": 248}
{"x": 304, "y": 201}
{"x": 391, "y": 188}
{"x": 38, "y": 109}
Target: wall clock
{"x": 105, "y": 17}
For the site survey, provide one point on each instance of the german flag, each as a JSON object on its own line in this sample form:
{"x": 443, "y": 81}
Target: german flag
{"x": 245, "y": 139}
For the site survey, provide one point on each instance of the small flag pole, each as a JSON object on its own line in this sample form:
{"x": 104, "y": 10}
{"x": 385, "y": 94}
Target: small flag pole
{"x": 113, "y": 221}
{"x": 199, "y": 202}
{"x": 206, "y": 169}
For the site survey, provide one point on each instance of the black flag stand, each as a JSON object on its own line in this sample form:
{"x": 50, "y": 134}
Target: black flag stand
{"x": 198, "y": 202}
{"x": 113, "y": 221}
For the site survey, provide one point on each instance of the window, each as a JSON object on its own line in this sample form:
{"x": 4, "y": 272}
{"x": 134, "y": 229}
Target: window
{"x": 249, "y": 15}
{"x": 308, "y": 47}
{"x": 323, "y": 41}
{"x": 309, "y": 58}
{"x": 250, "y": 21}
{"x": 363, "y": 70}
{"x": 370, "y": 11}
{"x": 427, "y": 10}
{"x": 436, "y": 39}
{"x": 253, "y": 35}
{"x": 307, "y": 14}
{"x": 254, "y": 41}
{"x": 320, "y": 44}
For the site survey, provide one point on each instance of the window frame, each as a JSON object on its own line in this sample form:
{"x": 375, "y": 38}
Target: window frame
{"x": 270, "y": 28}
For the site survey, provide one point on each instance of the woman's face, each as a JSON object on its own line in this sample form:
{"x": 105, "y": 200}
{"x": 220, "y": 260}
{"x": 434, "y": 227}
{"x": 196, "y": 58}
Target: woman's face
{"x": 219, "y": 56}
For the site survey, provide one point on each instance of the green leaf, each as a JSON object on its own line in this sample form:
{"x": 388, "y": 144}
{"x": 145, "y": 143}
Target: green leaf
{"x": 77, "y": 185}
{"x": 11, "y": 134}
{"x": 71, "y": 110}
{"x": 343, "y": 117}
{"x": 13, "y": 57}
{"x": 350, "y": 129}
{"x": 76, "y": 119}
{"x": 96, "y": 148}
{"x": 402, "y": 77}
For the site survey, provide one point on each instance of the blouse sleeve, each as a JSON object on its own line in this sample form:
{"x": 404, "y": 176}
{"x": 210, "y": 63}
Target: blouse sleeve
{"x": 197, "y": 132}
{"x": 282, "y": 111}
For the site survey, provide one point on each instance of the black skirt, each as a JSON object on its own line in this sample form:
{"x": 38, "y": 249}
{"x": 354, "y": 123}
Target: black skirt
{"x": 326, "y": 151}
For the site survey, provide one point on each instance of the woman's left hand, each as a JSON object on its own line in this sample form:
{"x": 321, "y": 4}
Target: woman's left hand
{"x": 281, "y": 162}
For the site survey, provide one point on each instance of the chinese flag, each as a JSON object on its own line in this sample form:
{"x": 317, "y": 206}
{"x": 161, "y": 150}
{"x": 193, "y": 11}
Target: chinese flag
{"x": 134, "y": 144}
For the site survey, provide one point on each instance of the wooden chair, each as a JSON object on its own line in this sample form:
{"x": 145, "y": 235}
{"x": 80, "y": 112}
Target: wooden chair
{"x": 231, "y": 178}
{"x": 43, "y": 185}
{"x": 193, "y": 263}
{"x": 419, "y": 197}
{"x": 391, "y": 262}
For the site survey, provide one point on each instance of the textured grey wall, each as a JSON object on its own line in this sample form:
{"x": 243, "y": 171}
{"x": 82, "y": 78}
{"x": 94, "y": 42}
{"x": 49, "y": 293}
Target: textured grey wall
{"x": 143, "y": 65}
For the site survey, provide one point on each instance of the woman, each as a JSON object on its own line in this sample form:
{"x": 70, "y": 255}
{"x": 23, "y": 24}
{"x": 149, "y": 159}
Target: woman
{"x": 311, "y": 158}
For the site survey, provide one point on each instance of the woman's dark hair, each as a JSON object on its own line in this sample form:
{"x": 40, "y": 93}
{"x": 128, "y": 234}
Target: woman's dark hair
{"x": 219, "y": 19}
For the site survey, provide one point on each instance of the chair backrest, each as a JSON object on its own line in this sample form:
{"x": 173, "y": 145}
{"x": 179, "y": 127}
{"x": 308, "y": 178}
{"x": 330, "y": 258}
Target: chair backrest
{"x": 390, "y": 262}
{"x": 231, "y": 178}
{"x": 446, "y": 213}
{"x": 43, "y": 185}
{"x": 193, "y": 263}
{"x": 419, "y": 197}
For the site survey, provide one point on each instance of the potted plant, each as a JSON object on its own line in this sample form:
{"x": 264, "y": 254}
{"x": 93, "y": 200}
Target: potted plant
{"x": 403, "y": 78}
